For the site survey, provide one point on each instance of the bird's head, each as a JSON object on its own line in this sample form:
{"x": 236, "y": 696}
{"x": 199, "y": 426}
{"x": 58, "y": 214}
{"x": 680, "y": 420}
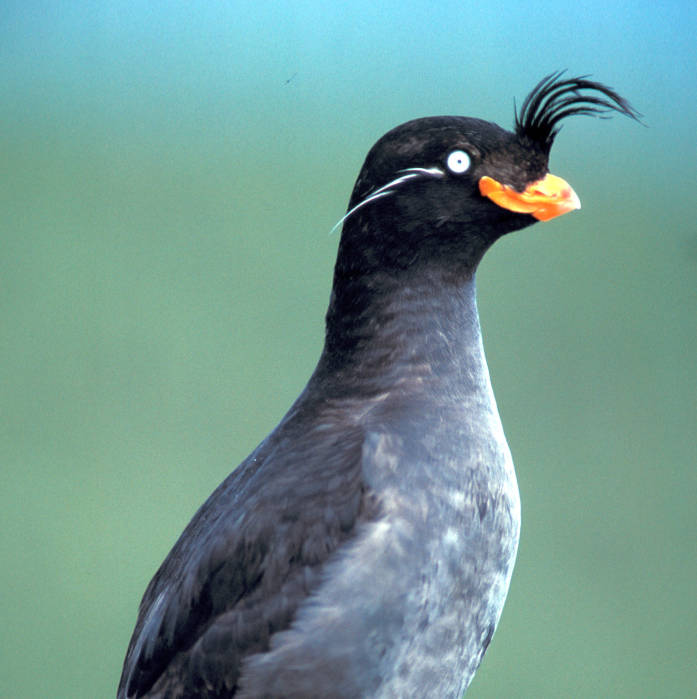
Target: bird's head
{"x": 445, "y": 188}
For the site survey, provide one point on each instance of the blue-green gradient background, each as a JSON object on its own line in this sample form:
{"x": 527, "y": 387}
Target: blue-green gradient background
{"x": 170, "y": 172}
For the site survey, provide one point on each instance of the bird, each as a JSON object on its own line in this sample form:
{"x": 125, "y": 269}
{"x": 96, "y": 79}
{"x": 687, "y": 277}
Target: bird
{"x": 365, "y": 547}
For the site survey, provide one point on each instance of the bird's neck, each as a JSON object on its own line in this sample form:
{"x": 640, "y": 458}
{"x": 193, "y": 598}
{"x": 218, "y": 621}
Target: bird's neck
{"x": 415, "y": 332}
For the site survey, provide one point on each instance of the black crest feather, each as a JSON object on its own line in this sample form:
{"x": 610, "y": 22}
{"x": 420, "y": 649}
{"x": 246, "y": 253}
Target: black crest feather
{"x": 554, "y": 99}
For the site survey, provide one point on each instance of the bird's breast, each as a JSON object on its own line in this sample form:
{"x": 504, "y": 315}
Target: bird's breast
{"x": 448, "y": 536}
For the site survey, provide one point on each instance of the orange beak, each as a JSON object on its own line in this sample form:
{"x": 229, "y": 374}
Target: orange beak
{"x": 549, "y": 197}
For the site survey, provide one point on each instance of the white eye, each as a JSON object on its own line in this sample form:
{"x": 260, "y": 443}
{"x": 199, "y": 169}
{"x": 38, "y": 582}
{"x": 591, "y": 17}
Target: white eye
{"x": 458, "y": 162}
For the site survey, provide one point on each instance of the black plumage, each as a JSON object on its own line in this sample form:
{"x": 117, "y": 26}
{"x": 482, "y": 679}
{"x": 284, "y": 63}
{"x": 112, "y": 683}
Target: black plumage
{"x": 365, "y": 548}
{"x": 554, "y": 99}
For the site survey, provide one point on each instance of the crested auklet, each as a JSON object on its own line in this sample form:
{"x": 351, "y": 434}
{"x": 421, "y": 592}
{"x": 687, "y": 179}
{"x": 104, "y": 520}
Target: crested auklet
{"x": 365, "y": 548}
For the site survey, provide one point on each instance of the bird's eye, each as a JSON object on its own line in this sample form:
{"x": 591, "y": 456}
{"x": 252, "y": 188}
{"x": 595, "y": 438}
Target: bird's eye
{"x": 458, "y": 162}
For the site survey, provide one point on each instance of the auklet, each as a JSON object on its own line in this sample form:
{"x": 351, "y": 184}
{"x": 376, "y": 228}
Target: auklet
{"x": 365, "y": 548}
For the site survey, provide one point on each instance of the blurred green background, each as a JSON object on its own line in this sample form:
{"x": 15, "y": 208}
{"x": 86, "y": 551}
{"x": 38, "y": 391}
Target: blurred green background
{"x": 170, "y": 172}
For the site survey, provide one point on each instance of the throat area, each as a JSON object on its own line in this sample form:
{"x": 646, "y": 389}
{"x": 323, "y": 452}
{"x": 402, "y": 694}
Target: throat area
{"x": 415, "y": 334}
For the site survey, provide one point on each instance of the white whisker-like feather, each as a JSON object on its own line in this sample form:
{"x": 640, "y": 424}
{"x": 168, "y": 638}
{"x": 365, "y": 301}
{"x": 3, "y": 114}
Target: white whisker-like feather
{"x": 410, "y": 174}
{"x": 367, "y": 200}
{"x": 428, "y": 171}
